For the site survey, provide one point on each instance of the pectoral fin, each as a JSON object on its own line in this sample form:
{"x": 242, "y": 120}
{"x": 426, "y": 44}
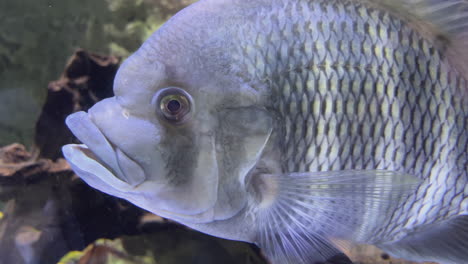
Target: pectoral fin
{"x": 299, "y": 214}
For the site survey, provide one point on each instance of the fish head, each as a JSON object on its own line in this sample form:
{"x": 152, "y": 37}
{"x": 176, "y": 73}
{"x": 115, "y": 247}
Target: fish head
{"x": 177, "y": 139}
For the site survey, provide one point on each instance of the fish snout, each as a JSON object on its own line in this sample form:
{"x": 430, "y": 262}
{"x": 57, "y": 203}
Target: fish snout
{"x": 97, "y": 149}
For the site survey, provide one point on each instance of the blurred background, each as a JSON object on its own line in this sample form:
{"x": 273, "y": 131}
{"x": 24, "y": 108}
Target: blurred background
{"x": 38, "y": 36}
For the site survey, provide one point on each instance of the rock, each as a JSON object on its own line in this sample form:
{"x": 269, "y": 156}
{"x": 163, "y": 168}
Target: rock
{"x": 18, "y": 166}
{"x": 65, "y": 214}
{"x": 30, "y": 231}
{"x": 25, "y": 240}
{"x": 105, "y": 251}
{"x": 87, "y": 79}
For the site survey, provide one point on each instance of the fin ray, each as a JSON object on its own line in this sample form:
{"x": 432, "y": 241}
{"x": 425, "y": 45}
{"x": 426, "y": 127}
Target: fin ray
{"x": 444, "y": 15}
{"x": 310, "y": 210}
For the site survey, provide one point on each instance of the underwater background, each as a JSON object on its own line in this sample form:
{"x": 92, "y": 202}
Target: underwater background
{"x": 56, "y": 58}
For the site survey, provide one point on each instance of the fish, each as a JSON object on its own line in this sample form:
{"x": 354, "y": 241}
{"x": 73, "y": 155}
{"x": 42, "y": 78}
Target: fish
{"x": 301, "y": 126}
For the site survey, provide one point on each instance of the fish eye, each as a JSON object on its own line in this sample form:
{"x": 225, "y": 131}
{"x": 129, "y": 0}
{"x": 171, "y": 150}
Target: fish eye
{"x": 174, "y": 104}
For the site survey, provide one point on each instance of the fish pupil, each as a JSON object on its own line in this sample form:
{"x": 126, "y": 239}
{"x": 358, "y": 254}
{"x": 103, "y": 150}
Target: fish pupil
{"x": 173, "y": 106}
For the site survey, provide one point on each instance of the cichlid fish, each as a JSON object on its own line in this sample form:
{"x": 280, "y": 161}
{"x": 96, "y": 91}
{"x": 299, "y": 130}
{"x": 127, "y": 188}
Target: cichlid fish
{"x": 295, "y": 124}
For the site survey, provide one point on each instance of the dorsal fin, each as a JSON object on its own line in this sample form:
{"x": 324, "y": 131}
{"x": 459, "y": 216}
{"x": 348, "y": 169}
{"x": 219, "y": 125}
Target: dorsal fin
{"x": 445, "y": 20}
{"x": 448, "y": 17}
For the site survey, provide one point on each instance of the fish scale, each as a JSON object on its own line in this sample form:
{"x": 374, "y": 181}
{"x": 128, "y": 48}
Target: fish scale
{"x": 301, "y": 122}
{"x": 394, "y": 91}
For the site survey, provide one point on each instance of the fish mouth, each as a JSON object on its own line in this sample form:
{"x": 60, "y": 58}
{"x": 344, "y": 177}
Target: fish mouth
{"x": 105, "y": 167}
{"x": 98, "y": 156}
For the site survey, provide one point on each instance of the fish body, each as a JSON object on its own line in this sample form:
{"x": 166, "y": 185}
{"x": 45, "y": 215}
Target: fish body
{"x": 292, "y": 123}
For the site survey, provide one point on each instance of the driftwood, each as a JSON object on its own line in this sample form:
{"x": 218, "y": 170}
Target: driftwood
{"x": 87, "y": 79}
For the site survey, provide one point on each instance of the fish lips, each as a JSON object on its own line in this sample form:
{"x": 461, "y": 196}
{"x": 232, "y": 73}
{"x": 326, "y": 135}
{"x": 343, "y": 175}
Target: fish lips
{"x": 103, "y": 166}
{"x": 99, "y": 157}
